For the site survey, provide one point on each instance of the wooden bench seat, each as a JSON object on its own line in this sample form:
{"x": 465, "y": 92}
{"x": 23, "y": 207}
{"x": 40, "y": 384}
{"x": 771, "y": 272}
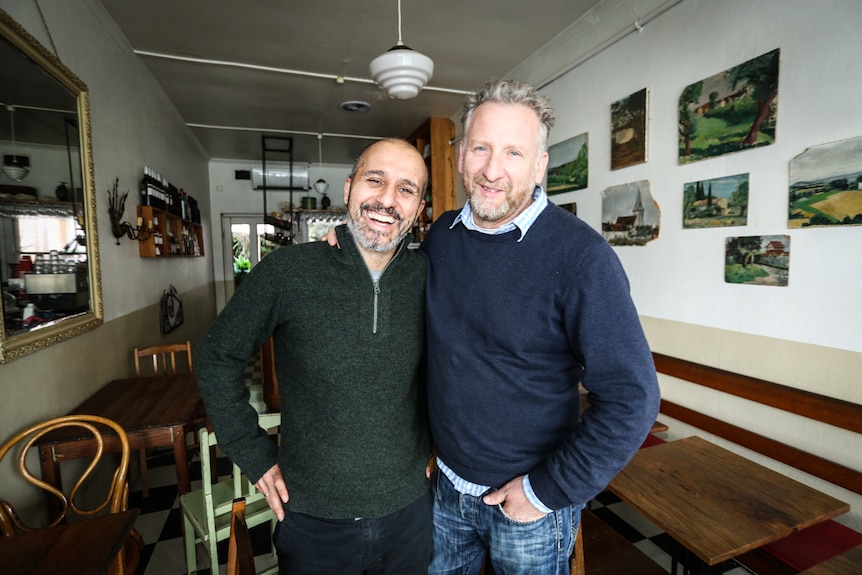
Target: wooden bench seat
{"x": 847, "y": 563}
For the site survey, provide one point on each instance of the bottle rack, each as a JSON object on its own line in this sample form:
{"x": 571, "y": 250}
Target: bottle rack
{"x": 172, "y": 216}
{"x": 172, "y": 236}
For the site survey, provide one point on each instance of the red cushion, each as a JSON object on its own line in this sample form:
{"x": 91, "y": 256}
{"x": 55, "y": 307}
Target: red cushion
{"x": 814, "y": 544}
{"x": 652, "y": 440}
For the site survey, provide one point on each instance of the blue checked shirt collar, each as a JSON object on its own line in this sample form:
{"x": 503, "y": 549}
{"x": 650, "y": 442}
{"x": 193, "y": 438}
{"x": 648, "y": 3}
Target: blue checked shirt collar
{"x": 523, "y": 222}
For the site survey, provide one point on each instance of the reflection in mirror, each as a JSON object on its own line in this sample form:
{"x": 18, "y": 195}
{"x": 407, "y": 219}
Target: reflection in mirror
{"x": 49, "y": 259}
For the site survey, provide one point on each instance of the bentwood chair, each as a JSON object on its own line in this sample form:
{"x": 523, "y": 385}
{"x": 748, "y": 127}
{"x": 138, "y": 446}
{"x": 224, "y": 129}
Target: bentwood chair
{"x": 165, "y": 359}
{"x": 207, "y": 511}
{"x": 117, "y": 496}
{"x": 240, "y": 555}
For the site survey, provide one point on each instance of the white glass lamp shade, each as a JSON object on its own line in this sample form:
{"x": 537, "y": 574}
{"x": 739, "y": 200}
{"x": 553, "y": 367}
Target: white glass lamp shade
{"x": 321, "y": 186}
{"x": 15, "y": 172}
{"x": 402, "y": 72}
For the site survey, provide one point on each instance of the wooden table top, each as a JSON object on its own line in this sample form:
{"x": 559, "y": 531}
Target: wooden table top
{"x": 88, "y": 547}
{"x": 848, "y": 563}
{"x": 715, "y": 503}
{"x": 138, "y": 403}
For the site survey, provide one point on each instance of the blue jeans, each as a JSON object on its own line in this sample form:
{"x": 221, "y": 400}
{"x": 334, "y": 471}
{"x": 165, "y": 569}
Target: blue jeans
{"x": 466, "y": 530}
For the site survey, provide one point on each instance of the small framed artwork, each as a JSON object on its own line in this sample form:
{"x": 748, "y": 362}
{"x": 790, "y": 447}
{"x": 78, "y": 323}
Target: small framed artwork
{"x": 826, "y": 185}
{"x": 715, "y": 203}
{"x": 731, "y": 111}
{"x": 630, "y": 215}
{"x": 758, "y": 260}
{"x": 629, "y": 130}
{"x": 568, "y": 165}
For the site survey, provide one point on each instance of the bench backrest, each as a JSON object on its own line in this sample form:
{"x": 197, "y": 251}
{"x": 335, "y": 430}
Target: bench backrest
{"x": 821, "y": 408}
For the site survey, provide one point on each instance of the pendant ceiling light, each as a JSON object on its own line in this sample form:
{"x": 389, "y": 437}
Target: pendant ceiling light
{"x": 320, "y": 186}
{"x": 12, "y": 168}
{"x": 400, "y": 71}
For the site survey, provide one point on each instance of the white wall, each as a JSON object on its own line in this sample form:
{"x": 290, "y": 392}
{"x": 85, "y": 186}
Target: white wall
{"x": 805, "y": 335}
{"x": 681, "y": 275}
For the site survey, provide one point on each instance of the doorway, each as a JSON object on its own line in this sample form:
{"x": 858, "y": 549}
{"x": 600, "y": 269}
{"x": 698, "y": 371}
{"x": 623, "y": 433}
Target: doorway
{"x": 244, "y": 244}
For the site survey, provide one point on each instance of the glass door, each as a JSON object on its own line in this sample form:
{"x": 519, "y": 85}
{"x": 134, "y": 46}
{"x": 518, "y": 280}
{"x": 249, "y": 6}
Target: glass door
{"x": 244, "y": 245}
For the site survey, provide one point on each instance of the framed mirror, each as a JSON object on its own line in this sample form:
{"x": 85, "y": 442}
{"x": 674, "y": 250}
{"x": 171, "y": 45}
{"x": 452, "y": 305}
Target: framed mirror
{"x": 49, "y": 246}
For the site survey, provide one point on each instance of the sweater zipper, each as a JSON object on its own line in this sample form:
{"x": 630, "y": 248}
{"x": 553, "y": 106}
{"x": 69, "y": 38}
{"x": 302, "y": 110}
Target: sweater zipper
{"x": 377, "y": 291}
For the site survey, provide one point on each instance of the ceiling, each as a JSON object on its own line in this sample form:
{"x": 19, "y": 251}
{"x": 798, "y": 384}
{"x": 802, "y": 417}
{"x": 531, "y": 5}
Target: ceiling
{"x": 470, "y": 41}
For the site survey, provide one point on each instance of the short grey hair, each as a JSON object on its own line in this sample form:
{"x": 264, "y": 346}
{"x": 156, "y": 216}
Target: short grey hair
{"x": 513, "y": 92}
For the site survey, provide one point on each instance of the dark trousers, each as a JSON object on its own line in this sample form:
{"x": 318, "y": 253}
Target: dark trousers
{"x": 398, "y": 544}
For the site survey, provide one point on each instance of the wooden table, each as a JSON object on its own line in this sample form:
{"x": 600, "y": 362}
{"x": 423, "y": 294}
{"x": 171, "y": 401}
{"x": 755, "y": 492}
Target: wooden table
{"x": 715, "y": 503}
{"x": 848, "y": 563}
{"x": 88, "y": 547}
{"x": 154, "y": 411}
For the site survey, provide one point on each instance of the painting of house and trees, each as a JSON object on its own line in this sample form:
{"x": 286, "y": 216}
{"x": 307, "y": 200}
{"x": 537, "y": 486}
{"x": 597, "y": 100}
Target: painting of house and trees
{"x": 826, "y": 185}
{"x": 715, "y": 203}
{"x": 568, "y": 165}
{"x": 731, "y": 111}
{"x": 759, "y": 260}
{"x": 630, "y": 215}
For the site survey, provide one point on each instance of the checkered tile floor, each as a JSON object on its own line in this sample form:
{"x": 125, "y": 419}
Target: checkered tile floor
{"x": 160, "y": 522}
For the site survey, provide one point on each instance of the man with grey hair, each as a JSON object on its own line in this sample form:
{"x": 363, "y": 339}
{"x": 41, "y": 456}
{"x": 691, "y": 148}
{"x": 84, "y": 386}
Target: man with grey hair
{"x": 525, "y": 301}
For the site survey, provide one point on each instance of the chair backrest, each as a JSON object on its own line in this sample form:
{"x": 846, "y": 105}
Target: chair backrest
{"x": 117, "y": 497}
{"x": 242, "y": 486}
{"x": 240, "y": 555}
{"x": 163, "y": 357}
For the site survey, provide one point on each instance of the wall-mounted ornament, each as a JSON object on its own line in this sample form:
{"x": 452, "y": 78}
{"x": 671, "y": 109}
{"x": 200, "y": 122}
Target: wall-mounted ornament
{"x": 731, "y": 111}
{"x": 826, "y": 185}
{"x": 171, "y": 315}
{"x": 568, "y": 165}
{"x": 759, "y": 260}
{"x": 630, "y": 215}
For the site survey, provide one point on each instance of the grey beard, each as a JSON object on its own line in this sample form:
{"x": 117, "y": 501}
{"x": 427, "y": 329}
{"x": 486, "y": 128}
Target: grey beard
{"x": 489, "y": 215}
{"x": 371, "y": 240}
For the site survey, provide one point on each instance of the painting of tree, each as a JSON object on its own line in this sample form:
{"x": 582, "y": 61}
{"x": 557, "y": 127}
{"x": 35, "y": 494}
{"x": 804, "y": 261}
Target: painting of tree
{"x": 718, "y": 202}
{"x": 568, "y": 165}
{"x": 760, "y": 260}
{"x": 629, "y": 130}
{"x": 732, "y": 111}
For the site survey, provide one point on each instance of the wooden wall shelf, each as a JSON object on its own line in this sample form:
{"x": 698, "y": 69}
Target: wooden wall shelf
{"x": 172, "y": 237}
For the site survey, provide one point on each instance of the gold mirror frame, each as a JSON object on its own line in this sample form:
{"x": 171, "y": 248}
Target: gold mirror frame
{"x": 23, "y": 344}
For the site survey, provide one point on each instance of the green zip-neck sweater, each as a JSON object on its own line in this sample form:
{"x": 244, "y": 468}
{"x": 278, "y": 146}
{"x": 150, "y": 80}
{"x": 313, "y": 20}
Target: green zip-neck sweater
{"x": 354, "y": 438}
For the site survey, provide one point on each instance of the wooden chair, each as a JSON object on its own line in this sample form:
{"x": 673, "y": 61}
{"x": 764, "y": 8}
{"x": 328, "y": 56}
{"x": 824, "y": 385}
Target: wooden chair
{"x": 115, "y": 501}
{"x": 164, "y": 361}
{"x": 161, "y": 354}
{"x": 240, "y": 555}
{"x": 207, "y": 511}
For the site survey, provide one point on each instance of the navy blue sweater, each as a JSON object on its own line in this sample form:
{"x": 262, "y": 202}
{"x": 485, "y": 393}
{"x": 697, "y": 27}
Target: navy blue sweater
{"x": 513, "y": 327}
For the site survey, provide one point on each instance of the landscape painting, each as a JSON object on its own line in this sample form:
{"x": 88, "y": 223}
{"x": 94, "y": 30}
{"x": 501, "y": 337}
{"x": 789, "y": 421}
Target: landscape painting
{"x": 629, "y": 130}
{"x": 826, "y": 185}
{"x": 630, "y": 215}
{"x": 568, "y": 165}
{"x": 731, "y": 111}
{"x": 759, "y": 260}
{"x": 716, "y": 203}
